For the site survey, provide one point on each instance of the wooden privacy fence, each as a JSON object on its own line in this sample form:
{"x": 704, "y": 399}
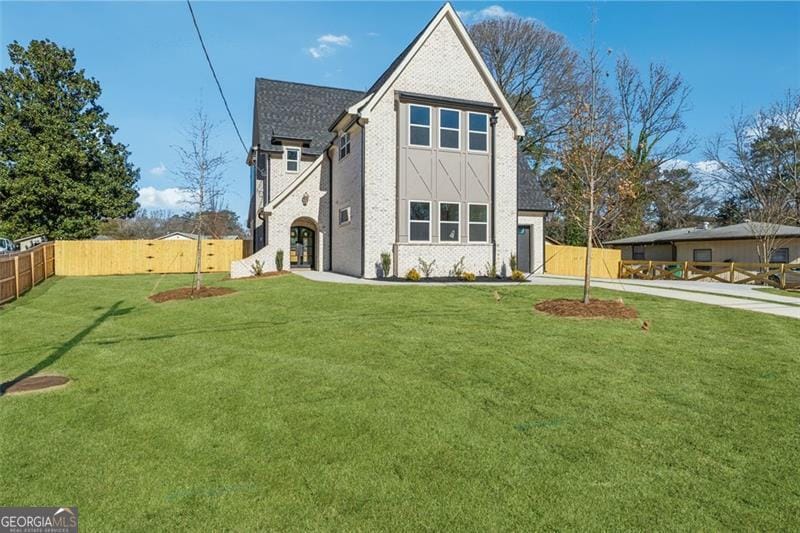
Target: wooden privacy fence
{"x": 102, "y": 258}
{"x": 20, "y": 271}
{"x": 571, "y": 261}
{"x": 767, "y": 273}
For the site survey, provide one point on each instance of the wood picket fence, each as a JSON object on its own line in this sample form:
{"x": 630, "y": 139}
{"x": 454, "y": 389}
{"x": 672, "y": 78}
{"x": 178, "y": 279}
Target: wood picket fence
{"x": 764, "y": 273}
{"x": 21, "y": 271}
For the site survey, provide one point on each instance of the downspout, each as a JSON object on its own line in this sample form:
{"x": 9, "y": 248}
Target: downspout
{"x": 330, "y": 208}
{"x": 544, "y": 245}
{"x": 493, "y": 123}
{"x": 267, "y": 185}
{"x": 363, "y": 195}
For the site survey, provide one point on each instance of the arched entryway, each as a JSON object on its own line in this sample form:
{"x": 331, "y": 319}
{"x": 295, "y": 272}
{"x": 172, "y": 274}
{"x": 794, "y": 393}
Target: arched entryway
{"x": 303, "y": 244}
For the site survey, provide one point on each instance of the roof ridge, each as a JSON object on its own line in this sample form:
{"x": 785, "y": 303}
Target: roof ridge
{"x": 309, "y": 85}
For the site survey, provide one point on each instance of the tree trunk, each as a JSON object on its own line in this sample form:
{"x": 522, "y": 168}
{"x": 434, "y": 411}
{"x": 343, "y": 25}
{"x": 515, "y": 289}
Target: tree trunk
{"x": 198, "y": 265}
{"x": 587, "y": 274}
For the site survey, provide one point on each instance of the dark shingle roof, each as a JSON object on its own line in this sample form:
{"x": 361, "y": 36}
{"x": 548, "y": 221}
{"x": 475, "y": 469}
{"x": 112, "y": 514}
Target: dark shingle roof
{"x": 297, "y": 111}
{"x": 745, "y": 230}
{"x": 530, "y": 196}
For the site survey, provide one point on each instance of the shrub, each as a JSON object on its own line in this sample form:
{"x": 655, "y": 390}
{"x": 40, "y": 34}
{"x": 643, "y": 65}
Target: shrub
{"x": 467, "y": 276}
{"x": 491, "y": 270}
{"x": 517, "y": 275}
{"x": 386, "y": 263}
{"x": 427, "y": 268}
{"x": 279, "y": 260}
{"x": 412, "y": 275}
{"x": 513, "y": 263}
{"x": 458, "y": 268}
{"x": 257, "y": 267}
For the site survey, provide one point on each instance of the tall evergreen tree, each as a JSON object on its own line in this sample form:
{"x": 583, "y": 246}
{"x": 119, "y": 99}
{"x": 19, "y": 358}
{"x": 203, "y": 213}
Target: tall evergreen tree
{"x": 61, "y": 172}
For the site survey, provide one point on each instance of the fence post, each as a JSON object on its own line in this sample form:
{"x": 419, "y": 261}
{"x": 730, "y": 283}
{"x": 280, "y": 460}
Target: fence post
{"x": 649, "y": 270}
{"x": 686, "y": 270}
{"x": 733, "y": 273}
{"x": 16, "y": 276}
{"x": 33, "y": 271}
{"x": 44, "y": 262}
{"x": 619, "y": 270}
{"x": 783, "y": 275}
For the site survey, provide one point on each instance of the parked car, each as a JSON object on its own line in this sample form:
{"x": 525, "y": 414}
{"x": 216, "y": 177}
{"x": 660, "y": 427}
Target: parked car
{"x": 7, "y": 246}
{"x": 792, "y": 278}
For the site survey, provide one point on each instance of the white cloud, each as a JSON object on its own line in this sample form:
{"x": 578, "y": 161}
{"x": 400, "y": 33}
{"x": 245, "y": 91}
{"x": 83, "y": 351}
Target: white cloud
{"x": 327, "y": 45}
{"x": 159, "y": 170}
{"x": 373, "y": 34}
{"x": 701, "y": 168}
{"x": 706, "y": 167}
{"x": 491, "y": 12}
{"x": 169, "y": 198}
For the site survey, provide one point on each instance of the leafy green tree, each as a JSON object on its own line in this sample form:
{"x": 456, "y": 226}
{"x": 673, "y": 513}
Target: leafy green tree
{"x": 61, "y": 172}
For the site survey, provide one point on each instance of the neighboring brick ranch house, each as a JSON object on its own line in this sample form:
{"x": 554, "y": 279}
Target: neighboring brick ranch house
{"x": 421, "y": 165}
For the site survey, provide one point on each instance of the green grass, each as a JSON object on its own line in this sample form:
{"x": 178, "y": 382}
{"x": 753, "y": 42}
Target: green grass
{"x": 773, "y": 290}
{"x": 297, "y": 405}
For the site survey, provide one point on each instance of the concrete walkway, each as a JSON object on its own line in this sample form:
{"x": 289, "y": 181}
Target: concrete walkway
{"x": 725, "y": 295}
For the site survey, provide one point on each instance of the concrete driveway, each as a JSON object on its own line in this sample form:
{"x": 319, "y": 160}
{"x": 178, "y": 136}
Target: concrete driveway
{"x": 723, "y": 294}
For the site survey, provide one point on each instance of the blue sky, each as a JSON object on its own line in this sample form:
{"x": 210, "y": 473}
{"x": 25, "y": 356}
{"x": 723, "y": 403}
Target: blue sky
{"x": 153, "y": 73}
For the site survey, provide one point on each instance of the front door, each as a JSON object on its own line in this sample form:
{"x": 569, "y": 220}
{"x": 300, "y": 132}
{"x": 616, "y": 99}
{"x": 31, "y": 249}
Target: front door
{"x": 524, "y": 248}
{"x": 302, "y": 247}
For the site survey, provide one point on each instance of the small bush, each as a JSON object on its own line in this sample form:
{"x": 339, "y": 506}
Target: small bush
{"x": 257, "y": 268}
{"x": 279, "y": 260}
{"x": 517, "y": 275}
{"x": 491, "y": 270}
{"x": 467, "y": 276}
{"x": 386, "y": 263}
{"x": 427, "y": 268}
{"x": 513, "y": 264}
{"x": 412, "y": 275}
{"x": 458, "y": 268}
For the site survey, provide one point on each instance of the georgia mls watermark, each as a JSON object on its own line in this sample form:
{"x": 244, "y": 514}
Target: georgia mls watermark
{"x": 38, "y": 519}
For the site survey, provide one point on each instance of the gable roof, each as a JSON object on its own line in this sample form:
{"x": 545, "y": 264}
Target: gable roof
{"x": 385, "y": 80}
{"x": 297, "y": 111}
{"x": 530, "y": 196}
{"x": 745, "y": 230}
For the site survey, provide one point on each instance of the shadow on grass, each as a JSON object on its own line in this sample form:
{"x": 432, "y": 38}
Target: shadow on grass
{"x": 59, "y": 352}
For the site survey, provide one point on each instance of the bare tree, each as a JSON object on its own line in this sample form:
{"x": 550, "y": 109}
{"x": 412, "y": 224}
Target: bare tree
{"x": 758, "y": 162}
{"x": 589, "y": 177}
{"x": 201, "y": 178}
{"x": 536, "y": 70}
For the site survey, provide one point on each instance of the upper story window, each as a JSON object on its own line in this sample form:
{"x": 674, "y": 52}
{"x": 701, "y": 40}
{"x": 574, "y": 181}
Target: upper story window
{"x": 449, "y": 129}
{"x": 292, "y": 159}
{"x": 478, "y": 132}
{"x": 344, "y": 145}
{"x": 419, "y": 221}
{"x": 419, "y": 125}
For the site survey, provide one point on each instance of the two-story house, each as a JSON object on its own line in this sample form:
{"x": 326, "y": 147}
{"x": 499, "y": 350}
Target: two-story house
{"x": 423, "y": 164}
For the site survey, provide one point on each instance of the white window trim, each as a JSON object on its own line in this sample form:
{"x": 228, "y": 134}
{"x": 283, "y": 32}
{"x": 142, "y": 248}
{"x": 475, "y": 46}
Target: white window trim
{"x": 469, "y": 148}
{"x": 286, "y": 158}
{"x": 430, "y": 220}
{"x": 484, "y": 223}
{"x": 346, "y": 138}
{"x": 457, "y": 130}
{"x": 458, "y": 239}
{"x": 349, "y": 219}
{"x": 429, "y": 126}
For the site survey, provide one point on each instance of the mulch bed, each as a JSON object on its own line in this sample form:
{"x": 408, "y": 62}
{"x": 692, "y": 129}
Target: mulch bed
{"x": 453, "y": 279}
{"x": 35, "y": 383}
{"x": 595, "y": 308}
{"x": 186, "y": 293}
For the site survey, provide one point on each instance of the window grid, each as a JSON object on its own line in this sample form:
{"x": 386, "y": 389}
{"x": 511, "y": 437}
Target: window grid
{"x": 418, "y": 219}
{"x": 478, "y": 222}
{"x": 420, "y": 126}
{"x": 447, "y": 224}
{"x": 449, "y": 129}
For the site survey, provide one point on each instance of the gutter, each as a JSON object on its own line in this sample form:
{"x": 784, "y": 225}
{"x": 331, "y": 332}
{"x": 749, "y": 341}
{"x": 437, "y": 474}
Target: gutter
{"x": 493, "y": 123}
{"x": 330, "y": 211}
{"x": 363, "y": 194}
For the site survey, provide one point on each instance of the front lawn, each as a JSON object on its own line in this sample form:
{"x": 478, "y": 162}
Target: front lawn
{"x": 773, "y": 290}
{"x": 297, "y": 405}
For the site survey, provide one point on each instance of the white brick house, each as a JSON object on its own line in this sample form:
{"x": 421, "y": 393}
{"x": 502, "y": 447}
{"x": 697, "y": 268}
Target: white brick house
{"x": 421, "y": 165}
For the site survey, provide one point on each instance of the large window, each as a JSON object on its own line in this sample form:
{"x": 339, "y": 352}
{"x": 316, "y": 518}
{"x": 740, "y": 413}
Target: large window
{"x": 779, "y": 255}
{"x": 449, "y": 129}
{"x": 449, "y": 222}
{"x": 701, "y": 254}
{"x": 419, "y": 221}
{"x": 478, "y": 222}
{"x": 478, "y": 132}
{"x": 344, "y": 145}
{"x": 292, "y": 159}
{"x": 419, "y": 125}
